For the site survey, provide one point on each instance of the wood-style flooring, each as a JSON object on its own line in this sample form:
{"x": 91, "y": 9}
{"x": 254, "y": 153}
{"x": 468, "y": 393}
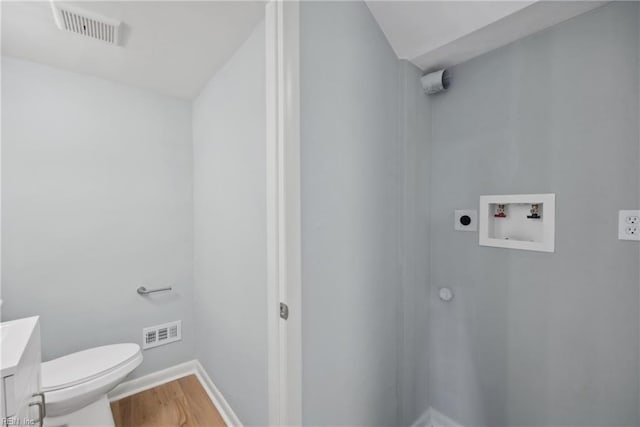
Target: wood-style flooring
{"x": 182, "y": 402}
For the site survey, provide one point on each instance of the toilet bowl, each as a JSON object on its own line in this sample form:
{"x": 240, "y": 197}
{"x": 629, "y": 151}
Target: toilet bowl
{"x": 77, "y": 380}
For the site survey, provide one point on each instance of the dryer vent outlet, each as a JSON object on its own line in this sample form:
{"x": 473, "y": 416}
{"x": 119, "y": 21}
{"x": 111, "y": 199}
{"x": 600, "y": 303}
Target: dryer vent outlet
{"x": 435, "y": 82}
{"x": 86, "y": 23}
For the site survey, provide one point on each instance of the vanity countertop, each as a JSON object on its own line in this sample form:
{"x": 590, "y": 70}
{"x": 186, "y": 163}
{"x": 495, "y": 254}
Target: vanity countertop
{"x": 14, "y": 337}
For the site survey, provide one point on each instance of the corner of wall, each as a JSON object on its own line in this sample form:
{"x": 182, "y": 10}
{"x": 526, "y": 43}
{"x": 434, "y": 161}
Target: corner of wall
{"x": 414, "y": 129}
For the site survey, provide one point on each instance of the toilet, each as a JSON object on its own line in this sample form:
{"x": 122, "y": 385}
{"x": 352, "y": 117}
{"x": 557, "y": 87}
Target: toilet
{"x": 75, "y": 386}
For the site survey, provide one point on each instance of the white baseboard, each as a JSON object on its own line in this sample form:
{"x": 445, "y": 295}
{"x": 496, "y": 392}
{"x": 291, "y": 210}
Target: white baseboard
{"x": 230, "y": 418}
{"x": 433, "y": 418}
{"x": 438, "y": 419}
{"x": 193, "y": 367}
{"x": 151, "y": 380}
{"x": 424, "y": 420}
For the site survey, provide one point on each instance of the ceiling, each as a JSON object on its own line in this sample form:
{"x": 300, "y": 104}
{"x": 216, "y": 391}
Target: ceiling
{"x": 172, "y": 47}
{"x": 439, "y": 34}
{"x": 404, "y": 22}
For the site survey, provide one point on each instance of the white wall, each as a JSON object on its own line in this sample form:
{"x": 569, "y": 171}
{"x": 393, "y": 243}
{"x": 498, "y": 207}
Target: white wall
{"x": 97, "y": 200}
{"x": 229, "y": 126}
{"x": 534, "y": 339}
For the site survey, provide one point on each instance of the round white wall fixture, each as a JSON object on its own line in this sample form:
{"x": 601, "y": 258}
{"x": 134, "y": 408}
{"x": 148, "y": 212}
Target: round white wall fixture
{"x": 445, "y": 294}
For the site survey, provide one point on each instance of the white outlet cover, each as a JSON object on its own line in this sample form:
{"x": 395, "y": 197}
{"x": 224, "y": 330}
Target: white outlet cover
{"x": 629, "y": 225}
{"x": 473, "y": 216}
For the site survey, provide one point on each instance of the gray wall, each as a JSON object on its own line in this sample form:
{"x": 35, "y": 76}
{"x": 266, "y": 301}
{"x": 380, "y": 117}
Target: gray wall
{"x": 363, "y": 248}
{"x": 414, "y": 134}
{"x": 96, "y": 201}
{"x": 229, "y": 125}
{"x": 350, "y": 182}
{"x": 537, "y": 339}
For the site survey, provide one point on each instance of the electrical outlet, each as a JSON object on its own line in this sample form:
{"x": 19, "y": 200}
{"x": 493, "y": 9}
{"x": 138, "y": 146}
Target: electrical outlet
{"x": 629, "y": 225}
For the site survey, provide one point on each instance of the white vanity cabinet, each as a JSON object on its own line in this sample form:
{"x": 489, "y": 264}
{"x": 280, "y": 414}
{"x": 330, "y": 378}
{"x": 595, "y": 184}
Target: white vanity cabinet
{"x": 21, "y": 401}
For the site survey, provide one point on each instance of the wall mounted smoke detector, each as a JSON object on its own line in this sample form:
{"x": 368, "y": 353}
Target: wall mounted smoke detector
{"x": 85, "y": 23}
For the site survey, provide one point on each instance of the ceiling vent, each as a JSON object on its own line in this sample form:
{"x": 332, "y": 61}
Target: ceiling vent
{"x": 85, "y": 23}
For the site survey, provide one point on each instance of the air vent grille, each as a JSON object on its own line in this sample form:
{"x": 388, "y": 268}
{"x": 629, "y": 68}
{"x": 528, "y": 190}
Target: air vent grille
{"x": 166, "y": 333}
{"x": 85, "y": 23}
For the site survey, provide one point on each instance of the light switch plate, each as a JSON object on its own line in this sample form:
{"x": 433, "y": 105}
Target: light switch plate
{"x": 629, "y": 225}
{"x": 465, "y": 220}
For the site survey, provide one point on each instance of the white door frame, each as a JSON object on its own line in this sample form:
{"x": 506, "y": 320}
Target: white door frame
{"x": 283, "y": 212}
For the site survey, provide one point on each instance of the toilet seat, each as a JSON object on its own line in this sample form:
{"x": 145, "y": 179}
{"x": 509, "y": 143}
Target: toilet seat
{"x": 83, "y": 366}
{"x": 78, "y": 379}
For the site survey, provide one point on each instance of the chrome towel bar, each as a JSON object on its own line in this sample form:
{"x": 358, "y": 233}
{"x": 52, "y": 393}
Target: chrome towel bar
{"x": 144, "y": 291}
